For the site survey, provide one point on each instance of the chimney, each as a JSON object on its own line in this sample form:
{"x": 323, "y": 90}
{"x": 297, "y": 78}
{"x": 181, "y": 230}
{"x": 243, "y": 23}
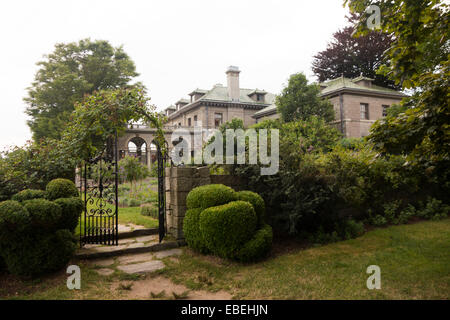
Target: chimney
{"x": 233, "y": 83}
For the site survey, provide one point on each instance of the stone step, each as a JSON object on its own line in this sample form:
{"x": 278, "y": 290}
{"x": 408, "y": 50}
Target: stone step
{"x": 148, "y": 243}
{"x": 137, "y": 233}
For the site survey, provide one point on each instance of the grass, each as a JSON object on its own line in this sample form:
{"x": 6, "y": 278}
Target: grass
{"x": 414, "y": 261}
{"x": 413, "y": 258}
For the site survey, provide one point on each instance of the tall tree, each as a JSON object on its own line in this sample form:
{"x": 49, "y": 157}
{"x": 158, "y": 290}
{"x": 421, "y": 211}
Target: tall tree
{"x": 300, "y": 100}
{"x": 353, "y": 56}
{"x": 67, "y": 75}
{"x": 418, "y": 59}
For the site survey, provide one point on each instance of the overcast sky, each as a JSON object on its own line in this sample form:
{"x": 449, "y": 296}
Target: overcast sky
{"x": 177, "y": 46}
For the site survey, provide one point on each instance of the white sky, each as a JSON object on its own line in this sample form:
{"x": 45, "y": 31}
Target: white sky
{"x": 177, "y": 46}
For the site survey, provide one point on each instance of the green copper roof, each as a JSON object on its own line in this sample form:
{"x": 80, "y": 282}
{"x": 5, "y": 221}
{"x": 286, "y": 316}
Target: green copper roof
{"x": 346, "y": 83}
{"x": 267, "y": 110}
{"x": 220, "y": 93}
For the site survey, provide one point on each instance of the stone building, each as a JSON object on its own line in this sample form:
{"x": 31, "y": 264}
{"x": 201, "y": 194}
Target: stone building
{"x": 357, "y": 103}
{"x": 211, "y": 108}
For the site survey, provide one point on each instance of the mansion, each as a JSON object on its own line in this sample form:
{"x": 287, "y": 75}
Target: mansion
{"x": 358, "y": 103}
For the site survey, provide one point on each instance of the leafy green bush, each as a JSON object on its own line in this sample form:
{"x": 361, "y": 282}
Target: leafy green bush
{"x": 210, "y": 196}
{"x": 149, "y": 210}
{"x": 31, "y": 242}
{"x": 257, "y": 202}
{"x": 61, "y": 188}
{"x": 191, "y": 230}
{"x": 70, "y": 213}
{"x": 433, "y": 209}
{"x": 14, "y": 220}
{"x": 38, "y": 255}
{"x": 28, "y": 194}
{"x": 226, "y": 228}
{"x": 45, "y": 215}
{"x": 258, "y": 247}
{"x": 134, "y": 203}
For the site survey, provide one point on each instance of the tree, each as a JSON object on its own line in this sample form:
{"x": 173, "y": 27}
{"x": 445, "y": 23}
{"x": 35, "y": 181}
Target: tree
{"x": 132, "y": 171}
{"x": 419, "y": 59}
{"x": 300, "y": 100}
{"x": 353, "y": 56}
{"x": 72, "y": 71}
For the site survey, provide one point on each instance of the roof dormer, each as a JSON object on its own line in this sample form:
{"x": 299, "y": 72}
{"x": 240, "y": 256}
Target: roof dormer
{"x": 258, "y": 95}
{"x": 363, "y": 81}
{"x": 181, "y": 103}
{"x": 197, "y": 94}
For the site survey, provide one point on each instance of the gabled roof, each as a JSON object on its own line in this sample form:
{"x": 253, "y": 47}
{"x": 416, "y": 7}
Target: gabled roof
{"x": 201, "y": 91}
{"x": 346, "y": 83}
{"x": 266, "y": 111}
{"x": 185, "y": 101}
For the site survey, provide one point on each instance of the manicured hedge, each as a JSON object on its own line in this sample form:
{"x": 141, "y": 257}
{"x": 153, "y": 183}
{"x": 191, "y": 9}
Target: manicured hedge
{"x": 45, "y": 215}
{"x": 191, "y": 230}
{"x": 209, "y": 196}
{"x": 226, "y": 228}
{"x": 258, "y": 247}
{"x": 29, "y": 194}
{"x": 149, "y": 210}
{"x": 61, "y": 188}
{"x": 70, "y": 213}
{"x": 36, "y": 234}
{"x": 257, "y": 203}
{"x": 226, "y": 223}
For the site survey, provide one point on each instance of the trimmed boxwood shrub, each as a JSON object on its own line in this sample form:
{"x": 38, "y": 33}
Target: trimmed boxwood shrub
{"x": 70, "y": 213}
{"x": 209, "y": 196}
{"x": 258, "y": 247}
{"x": 134, "y": 203}
{"x": 191, "y": 230}
{"x": 226, "y": 228}
{"x": 149, "y": 210}
{"x": 257, "y": 203}
{"x": 14, "y": 220}
{"x": 61, "y": 188}
{"x": 28, "y": 194}
{"x": 45, "y": 215}
{"x": 40, "y": 254}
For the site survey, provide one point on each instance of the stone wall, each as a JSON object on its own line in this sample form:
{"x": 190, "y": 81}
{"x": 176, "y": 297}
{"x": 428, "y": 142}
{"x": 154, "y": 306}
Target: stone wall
{"x": 179, "y": 182}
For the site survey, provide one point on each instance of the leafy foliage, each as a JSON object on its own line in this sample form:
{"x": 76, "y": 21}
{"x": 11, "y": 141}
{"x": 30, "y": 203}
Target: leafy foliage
{"x": 70, "y": 72}
{"x": 70, "y": 213}
{"x": 226, "y": 228}
{"x": 61, "y": 188}
{"x": 351, "y": 56}
{"x": 209, "y": 196}
{"x": 45, "y": 215}
{"x": 300, "y": 100}
{"x": 132, "y": 170}
{"x": 257, "y": 202}
{"x": 29, "y": 194}
{"x": 419, "y": 59}
{"x": 33, "y": 166}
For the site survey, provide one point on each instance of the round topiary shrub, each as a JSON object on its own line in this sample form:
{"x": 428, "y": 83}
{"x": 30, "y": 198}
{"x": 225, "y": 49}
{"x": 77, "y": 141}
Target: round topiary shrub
{"x": 226, "y": 228}
{"x": 71, "y": 209}
{"x": 257, "y": 203}
{"x": 40, "y": 254}
{"x": 61, "y": 188}
{"x": 258, "y": 247}
{"x": 191, "y": 230}
{"x": 45, "y": 215}
{"x": 14, "y": 220}
{"x": 210, "y": 196}
{"x": 28, "y": 194}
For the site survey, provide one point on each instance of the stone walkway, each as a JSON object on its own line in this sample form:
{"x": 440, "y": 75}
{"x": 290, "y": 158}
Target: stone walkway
{"x": 134, "y": 263}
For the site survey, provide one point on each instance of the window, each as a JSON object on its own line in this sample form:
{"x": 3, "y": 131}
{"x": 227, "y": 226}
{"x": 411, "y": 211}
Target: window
{"x": 364, "y": 108}
{"x": 195, "y": 120}
{"x": 385, "y": 107}
{"x": 218, "y": 118}
{"x": 259, "y": 97}
{"x": 189, "y": 122}
{"x": 179, "y": 124}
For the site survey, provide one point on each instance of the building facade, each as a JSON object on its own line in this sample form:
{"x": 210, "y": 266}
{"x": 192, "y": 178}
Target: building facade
{"x": 210, "y": 108}
{"x": 357, "y": 103}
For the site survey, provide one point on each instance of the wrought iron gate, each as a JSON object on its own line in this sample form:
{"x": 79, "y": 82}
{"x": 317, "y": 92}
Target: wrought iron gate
{"x": 99, "y": 189}
{"x": 161, "y": 192}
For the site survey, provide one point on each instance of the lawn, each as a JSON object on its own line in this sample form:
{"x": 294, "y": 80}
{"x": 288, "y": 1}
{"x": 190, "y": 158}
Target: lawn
{"x": 414, "y": 261}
